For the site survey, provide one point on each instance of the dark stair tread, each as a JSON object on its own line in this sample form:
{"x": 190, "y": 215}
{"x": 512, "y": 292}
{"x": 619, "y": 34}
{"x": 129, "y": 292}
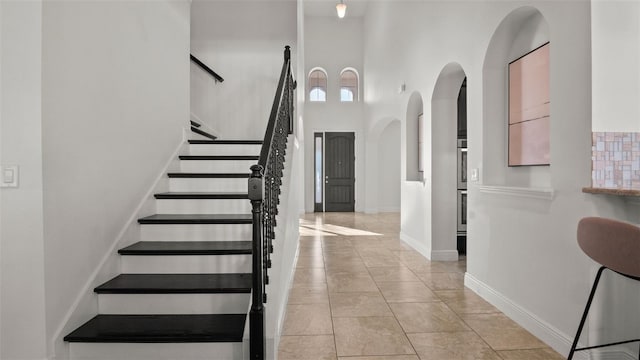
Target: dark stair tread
{"x": 225, "y": 142}
{"x": 177, "y": 284}
{"x": 187, "y": 248}
{"x": 160, "y": 329}
{"x": 202, "y": 195}
{"x": 203, "y": 133}
{"x": 195, "y": 124}
{"x": 196, "y": 219}
{"x": 208, "y": 175}
{"x": 219, "y": 157}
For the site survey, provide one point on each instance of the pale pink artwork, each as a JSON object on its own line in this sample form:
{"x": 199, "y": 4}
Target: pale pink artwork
{"x": 529, "y": 143}
{"x": 529, "y": 109}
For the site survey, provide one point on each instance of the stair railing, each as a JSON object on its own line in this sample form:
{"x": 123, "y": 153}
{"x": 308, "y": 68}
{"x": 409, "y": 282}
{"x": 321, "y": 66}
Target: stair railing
{"x": 206, "y": 69}
{"x": 264, "y": 194}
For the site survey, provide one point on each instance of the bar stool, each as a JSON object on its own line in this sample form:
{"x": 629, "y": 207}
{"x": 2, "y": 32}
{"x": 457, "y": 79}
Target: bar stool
{"x": 616, "y": 246}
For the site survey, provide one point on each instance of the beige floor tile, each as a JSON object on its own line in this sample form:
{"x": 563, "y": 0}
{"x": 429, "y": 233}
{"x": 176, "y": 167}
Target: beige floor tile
{"x": 351, "y": 282}
{"x": 465, "y": 302}
{"x": 416, "y": 264}
{"x": 452, "y": 346}
{"x": 533, "y": 354}
{"x": 374, "y": 251}
{"x": 348, "y": 255}
{"x": 396, "y": 244}
{"x": 383, "y": 357}
{"x": 442, "y": 280}
{"x": 310, "y": 251}
{"x": 310, "y": 262}
{"x": 381, "y": 260}
{"x": 359, "y": 304}
{"x": 356, "y": 278}
{"x": 337, "y": 252}
{"x": 309, "y": 276}
{"x": 317, "y": 347}
{"x": 501, "y": 333}
{"x": 427, "y": 317}
{"x": 396, "y": 273}
{"x": 336, "y": 242}
{"x": 316, "y": 294}
{"x": 406, "y": 291}
{"x": 310, "y": 242}
{"x": 370, "y": 336}
{"x": 307, "y": 319}
{"x": 353, "y": 265}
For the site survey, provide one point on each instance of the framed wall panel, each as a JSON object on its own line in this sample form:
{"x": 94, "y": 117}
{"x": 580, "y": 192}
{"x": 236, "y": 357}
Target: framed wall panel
{"x": 529, "y": 109}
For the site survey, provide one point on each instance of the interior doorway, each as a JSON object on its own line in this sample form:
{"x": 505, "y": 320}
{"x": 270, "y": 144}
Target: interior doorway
{"x": 334, "y": 171}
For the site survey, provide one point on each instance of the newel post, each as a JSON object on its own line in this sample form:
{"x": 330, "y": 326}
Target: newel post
{"x": 256, "y": 315}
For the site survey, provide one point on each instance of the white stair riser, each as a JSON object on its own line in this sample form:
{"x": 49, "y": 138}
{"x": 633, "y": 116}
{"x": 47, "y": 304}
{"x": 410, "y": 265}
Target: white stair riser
{"x": 209, "y": 184}
{"x": 158, "y": 304}
{"x": 155, "y": 351}
{"x": 187, "y": 264}
{"x": 203, "y": 206}
{"x": 224, "y": 149}
{"x": 217, "y": 166}
{"x": 195, "y": 232}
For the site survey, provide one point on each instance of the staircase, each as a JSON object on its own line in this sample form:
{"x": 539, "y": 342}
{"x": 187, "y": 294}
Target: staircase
{"x": 185, "y": 287}
{"x": 203, "y": 259}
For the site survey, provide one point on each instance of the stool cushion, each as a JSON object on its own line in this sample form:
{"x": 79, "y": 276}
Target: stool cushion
{"x": 612, "y": 243}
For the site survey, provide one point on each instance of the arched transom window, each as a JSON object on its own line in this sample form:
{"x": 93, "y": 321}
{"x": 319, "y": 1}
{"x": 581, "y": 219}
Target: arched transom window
{"x": 318, "y": 85}
{"x": 348, "y": 86}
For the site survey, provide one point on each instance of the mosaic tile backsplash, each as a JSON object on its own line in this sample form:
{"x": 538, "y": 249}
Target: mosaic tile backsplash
{"x": 616, "y": 160}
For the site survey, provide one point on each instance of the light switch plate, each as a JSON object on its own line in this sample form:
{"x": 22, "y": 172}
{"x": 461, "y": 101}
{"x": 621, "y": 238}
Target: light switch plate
{"x": 9, "y": 176}
{"x": 475, "y": 174}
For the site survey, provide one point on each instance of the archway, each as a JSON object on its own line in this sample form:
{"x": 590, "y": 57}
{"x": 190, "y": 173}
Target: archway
{"x": 444, "y": 163}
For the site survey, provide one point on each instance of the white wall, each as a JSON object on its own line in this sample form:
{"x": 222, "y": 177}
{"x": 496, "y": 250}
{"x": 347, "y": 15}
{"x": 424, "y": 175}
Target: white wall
{"x": 243, "y": 41}
{"x": 334, "y": 44}
{"x": 522, "y": 252}
{"x": 615, "y": 49}
{"x": 115, "y": 91}
{"x": 389, "y": 169}
{"x": 22, "y": 273}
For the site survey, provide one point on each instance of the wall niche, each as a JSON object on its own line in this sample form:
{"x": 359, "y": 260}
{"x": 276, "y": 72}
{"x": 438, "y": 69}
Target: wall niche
{"x": 522, "y": 31}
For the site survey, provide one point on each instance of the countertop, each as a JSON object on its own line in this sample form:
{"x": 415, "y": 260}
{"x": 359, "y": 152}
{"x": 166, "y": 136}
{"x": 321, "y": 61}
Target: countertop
{"x": 608, "y": 191}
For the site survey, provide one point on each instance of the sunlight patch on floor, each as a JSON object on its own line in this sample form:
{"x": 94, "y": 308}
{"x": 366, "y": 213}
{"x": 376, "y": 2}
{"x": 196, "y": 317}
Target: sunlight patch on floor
{"x": 311, "y": 228}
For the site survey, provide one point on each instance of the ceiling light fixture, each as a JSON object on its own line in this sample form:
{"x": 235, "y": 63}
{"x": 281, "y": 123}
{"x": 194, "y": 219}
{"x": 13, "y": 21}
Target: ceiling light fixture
{"x": 341, "y": 8}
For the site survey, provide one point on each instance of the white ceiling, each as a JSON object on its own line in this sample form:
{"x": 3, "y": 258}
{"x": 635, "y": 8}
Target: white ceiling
{"x": 355, "y": 8}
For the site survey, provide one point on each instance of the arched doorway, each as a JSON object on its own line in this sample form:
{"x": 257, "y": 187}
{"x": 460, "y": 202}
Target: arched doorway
{"x": 448, "y": 202}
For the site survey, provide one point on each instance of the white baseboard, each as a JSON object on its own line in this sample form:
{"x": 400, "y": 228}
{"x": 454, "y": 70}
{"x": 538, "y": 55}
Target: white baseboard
{"x": 548, "y": 334}
{"x": 444, "y": 255}
{"x": 604, "y": 354}
{"x": 416, "y": 245}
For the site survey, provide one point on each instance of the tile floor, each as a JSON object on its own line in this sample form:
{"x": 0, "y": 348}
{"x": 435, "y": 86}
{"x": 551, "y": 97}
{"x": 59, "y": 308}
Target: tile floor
{"x": 359, "y": 293}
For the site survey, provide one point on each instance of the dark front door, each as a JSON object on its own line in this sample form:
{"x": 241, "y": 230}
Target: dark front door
{"x": 339, "y": 171}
